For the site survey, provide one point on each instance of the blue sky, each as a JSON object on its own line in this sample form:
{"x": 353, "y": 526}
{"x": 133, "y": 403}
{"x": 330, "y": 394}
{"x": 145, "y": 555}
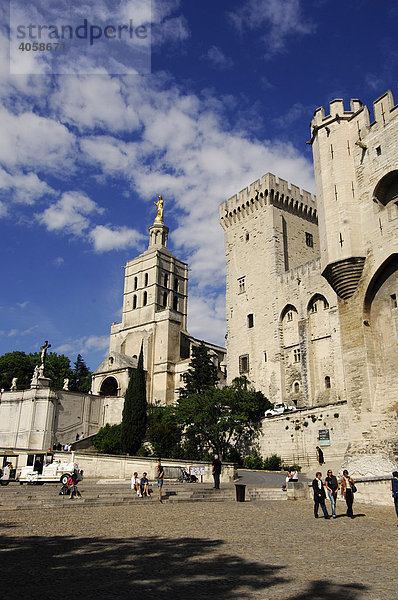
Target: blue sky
{"x": 230, "y": 95}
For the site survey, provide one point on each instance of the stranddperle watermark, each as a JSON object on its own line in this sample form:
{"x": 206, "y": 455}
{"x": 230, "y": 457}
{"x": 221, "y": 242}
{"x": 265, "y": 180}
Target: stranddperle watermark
{"x": 89, "y": 37}
{"x": 84, "y": 31}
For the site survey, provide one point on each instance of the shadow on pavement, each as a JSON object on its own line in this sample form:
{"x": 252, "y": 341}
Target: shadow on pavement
{"x": 108, "y": 568}
{"x": 326, "y": 590}
{"x": 161, "y": 568}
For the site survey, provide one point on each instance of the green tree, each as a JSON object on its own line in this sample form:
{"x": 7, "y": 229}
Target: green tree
{"x": 108, "y": 439}
{"x": 15, "y": 364}
{"x": 21, "y": 365}
{"x": 202, "y": 373}
{"x": 135, "y": 410}
{"x": 80, "y": 380}
{"x": 163, "y": 431}
{"x": 222, "y": 420}
{"x": 57, "y": 367}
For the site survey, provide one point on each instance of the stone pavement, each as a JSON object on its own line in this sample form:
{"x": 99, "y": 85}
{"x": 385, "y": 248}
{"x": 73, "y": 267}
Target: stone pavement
{"x": 228, "y": 550}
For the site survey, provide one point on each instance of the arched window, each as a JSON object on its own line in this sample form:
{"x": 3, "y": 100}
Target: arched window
{"x": 134, "y": 301}
{"x": 146, "y": 279}
{"x": 250, "y": 320}
{"x": 317, "y": 303}
{"x": 109, "y": 387}
{"x": 166, "y": 280}
{"x": 327, "y": 382}
{"x": 296, "y": 387}
{"x": 176, "y": 284}
{"x": 164, "y": 299}
{"x": 387, "y": 188}
{"x": 135, "y": 282}
{"x": 145, "y": 299}
{"x": 289, "y": 313}
{"x": 175, "y": 303}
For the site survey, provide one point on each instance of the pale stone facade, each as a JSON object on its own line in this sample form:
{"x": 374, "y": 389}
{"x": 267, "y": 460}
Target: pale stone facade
{"x": 155, "y": 317}
{"x": 312, "y": 311}
{"x": 39, "y": 417}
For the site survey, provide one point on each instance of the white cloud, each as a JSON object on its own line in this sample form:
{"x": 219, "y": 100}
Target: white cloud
{"x": 19, "y": 332}
{"x": 31, "y": 142}
{"x": 23, "y": 305}
{"x": 96, "y": 101}
{"x": 217, "y": 57}
{"x": 295, "y": 112}
{"x": 70, "y": 213}
{"x": 281, "y": 18}
{"x": 113, "y": 156}
{"x": 84, "y": 344}
{"x": 3, "y": 209}
{"x": 23, "y": 188}
{"x": 58, "y": 261}
{"x": 114, "y": 238}
{"x": 206, "y": 318}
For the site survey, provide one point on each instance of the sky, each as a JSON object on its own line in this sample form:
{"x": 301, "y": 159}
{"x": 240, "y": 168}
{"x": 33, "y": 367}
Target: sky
{"x": 202, "y": 100}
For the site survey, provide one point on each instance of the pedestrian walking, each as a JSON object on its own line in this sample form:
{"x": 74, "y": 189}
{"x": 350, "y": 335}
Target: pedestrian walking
{"x": 394, "y": 490}
{"x": 319, "y": 456}
{"x": 347, "y": 492}
{"x": 160, "y": 479}
{"x": 332, "y": 486}
{"x": 319, "y": 496}
{"x": 216, "y": 470}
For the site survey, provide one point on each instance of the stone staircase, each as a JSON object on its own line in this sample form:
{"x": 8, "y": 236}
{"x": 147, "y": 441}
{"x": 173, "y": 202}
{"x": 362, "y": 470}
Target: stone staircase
{"x": 267, "y": 494}
{"x": 15, "y": 497}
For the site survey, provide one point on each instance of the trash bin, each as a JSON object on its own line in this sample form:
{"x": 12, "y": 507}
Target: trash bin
{"x": 240, "y": 492}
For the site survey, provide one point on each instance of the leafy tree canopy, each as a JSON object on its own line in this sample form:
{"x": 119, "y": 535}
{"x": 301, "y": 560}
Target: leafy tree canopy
{"x": 222, "y": 419}
{"x": 57, "y": 368}
{"x": 163, "y": 431}
{"x": 107, "y": 440}
{"x": 202, "y": 374}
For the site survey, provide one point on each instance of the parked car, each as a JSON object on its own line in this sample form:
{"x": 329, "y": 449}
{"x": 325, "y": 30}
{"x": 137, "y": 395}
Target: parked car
{"x": 279, "y": 409}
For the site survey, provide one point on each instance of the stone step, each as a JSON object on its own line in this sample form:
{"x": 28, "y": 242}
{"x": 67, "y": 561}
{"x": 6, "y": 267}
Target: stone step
{"x": 267, "y": 494}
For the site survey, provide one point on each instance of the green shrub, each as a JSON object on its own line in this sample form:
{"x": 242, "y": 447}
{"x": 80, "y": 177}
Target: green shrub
{"x": 108, "y": 439}
{"x": 272, "y": 463}
{"x": 294, "y": 467}
{"x": 253, "y": 461}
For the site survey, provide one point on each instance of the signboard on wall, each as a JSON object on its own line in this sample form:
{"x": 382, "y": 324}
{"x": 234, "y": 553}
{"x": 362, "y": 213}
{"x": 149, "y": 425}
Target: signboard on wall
{"x": 324, "y": 437}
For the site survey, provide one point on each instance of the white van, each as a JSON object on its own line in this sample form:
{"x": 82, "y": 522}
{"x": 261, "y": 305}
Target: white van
{"x": 42, "y": 468}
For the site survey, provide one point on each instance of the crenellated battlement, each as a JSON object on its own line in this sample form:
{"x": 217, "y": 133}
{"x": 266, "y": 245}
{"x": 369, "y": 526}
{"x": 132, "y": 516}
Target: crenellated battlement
{"x": 268, "y": 191}
{"x": 384, "y": 111}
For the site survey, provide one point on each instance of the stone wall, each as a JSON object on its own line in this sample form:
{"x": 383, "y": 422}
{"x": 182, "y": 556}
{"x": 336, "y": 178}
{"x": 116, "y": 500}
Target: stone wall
{"x": 294, "y": 436}
{"x": 40, "y": 417}
{"x": 106, "y": 466}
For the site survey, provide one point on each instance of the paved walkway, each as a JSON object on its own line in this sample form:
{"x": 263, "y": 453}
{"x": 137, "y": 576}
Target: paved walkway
{"x": 188, "y": 551}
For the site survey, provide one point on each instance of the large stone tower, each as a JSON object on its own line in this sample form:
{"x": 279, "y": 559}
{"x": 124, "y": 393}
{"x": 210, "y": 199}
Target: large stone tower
{"x": 282, "y": 322}
{"x": 154, "y": 315}
{"x": 356, "y": 170}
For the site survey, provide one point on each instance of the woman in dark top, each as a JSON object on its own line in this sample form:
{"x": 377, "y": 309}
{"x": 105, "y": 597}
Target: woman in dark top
{"x": 394, "y": 489}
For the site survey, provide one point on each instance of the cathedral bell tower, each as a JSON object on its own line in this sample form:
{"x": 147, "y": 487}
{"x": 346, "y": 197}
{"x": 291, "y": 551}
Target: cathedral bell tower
{"x": 154, "y": 313}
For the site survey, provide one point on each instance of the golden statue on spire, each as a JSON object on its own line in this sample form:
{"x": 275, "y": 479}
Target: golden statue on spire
{"x": 159, "y": 206}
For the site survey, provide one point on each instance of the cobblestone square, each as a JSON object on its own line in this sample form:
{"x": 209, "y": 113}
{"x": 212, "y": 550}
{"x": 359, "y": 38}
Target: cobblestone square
{"x": 223, "y": 550}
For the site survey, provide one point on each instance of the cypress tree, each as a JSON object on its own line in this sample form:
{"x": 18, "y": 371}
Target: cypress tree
{"x": 134, "y": 410}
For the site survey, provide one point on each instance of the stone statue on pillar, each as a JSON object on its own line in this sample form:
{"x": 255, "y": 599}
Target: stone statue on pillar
{"x": 44, "y": 349}
{"x": 159, "y": 205}
{"x": 13, "y": 384}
